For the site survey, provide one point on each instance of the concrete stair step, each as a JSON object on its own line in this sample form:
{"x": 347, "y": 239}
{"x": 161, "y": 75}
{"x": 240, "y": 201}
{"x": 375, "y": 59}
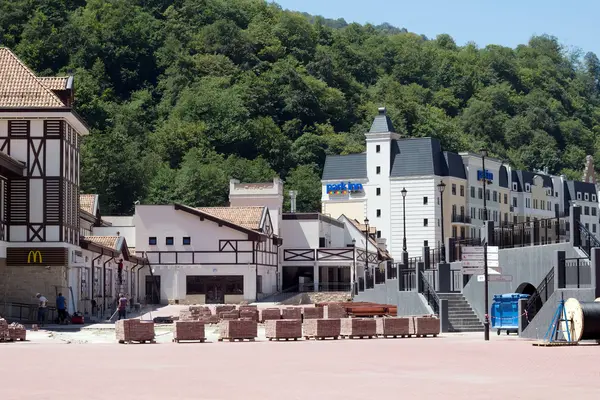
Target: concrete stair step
{"x": 461, "y": 315}
{"x": 460, "y": 330}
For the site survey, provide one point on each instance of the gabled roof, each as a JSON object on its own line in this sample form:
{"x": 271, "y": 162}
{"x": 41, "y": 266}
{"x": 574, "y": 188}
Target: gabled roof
{"x": 416, "y": 157}
{"x": 88, "y": 203}
{"x": 113, "y": 246}
{"x": 56, "y": 82}
{"x": 383, "y": 254}
{"x": 20, "y": 88}
{"x": 247, "y": 217}
{"x": 111, "y": 242}
{"x": 351, "y": 166}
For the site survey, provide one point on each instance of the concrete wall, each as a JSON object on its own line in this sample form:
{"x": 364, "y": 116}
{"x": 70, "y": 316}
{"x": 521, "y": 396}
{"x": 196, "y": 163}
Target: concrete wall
{"x": 525, "y": 264}
{"x": 409, "y": 303}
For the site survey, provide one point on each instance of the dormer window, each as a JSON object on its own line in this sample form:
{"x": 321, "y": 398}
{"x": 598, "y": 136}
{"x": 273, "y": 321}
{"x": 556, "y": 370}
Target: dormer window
{"x": 593, "y": 197}
{"x": 377, "y": 149}
{"x": 548, "y": 192}
{"x": 527, "y": 187}
{"x": 578, "y": 195}
{"x": 586, "y": 196}
{"x": 515, "y": 187}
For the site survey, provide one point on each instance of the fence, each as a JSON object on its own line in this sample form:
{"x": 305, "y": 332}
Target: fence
{"x": 430, "y": 294}
{"x": 577, "y": 273}
{"x": 361, "y": 284}
{"x": 541, "y": 295}
{"x": 392, "y": 270}
{"x": 532, "y": 233}
{"x": 407, "y": 279}
{"x": 455, "y": 247}
{"x": 587, "y": 239}
{"x": 369, "y": 284}
{"x": 379, "y": 275}
{"x": 432, "y": 276}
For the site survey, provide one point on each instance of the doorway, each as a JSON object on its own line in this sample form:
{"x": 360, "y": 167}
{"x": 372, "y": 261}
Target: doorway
{"x": 152, "y": 291}
{"x": 215, "y": 293}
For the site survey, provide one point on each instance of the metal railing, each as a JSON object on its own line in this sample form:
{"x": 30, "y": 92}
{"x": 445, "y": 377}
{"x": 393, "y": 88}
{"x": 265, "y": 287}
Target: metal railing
{"x": 432, "y": 276}
{"x": 361, "y": 284}
{"x": 369, "y": 280}
{"x": 379, "y": 275}
{"x": 407, "y": 281}
{"x": 430, "y": 294}
{"x": 577, "y": 273}
{"x": 532, "y": 233}
{"x": 24, "y": 312}
{"x": 460, "y": 218}
{"x": 392, "y": 270}
{"x": 542, "y": 293}
{"x": 335, "y": 287}
{"x": 588, "y": 240}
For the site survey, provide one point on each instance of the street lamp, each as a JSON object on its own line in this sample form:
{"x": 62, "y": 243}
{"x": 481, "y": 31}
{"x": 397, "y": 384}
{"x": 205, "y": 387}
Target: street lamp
{"x": 404, "y": 252}
{"x": 354, "y": 283}
{"x": 441, "y": 187}
{"x": 486, "y": 323}
{"x": 366, "y": 246}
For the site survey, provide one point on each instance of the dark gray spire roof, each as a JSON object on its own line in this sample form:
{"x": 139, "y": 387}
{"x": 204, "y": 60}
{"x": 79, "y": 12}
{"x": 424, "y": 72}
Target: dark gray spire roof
{"x": 417, "y": 156}
{"x": 382, "y": 123}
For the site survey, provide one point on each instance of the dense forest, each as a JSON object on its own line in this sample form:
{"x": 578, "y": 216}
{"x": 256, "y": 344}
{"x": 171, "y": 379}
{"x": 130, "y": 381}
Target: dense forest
{"x": 182, "y": 95}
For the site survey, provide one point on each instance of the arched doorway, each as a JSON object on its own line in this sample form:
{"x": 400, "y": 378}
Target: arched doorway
{"x": 528, "y": 288}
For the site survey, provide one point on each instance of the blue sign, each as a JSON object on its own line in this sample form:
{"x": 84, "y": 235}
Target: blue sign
{"x": 488, "y": 175}
{"x": 344, "y": 188}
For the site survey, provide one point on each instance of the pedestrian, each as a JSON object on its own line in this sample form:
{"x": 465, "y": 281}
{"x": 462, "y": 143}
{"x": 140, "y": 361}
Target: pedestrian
{"x": 42, "y": 305}
{"x": 61, "y": 307}
{"x": 122, "y": 307}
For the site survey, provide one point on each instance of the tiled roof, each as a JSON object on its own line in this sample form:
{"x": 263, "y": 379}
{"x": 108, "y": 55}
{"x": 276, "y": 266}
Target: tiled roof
{"x": 54, "y": 82}
{"x": 247, "y": 217}
{"x": 351, "y": 166}
{"x": 382, "y": 123}
{"x": 87, "y": 203}
{"x": 20, "y": 88}
{"x": 107, "y": 241}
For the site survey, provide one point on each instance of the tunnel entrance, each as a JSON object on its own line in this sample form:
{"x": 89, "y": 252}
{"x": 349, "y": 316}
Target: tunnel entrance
{"x": 526, "y": 288}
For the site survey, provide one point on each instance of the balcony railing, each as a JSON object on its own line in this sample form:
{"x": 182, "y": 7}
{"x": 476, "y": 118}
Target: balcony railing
{"x": 461, "y": 219}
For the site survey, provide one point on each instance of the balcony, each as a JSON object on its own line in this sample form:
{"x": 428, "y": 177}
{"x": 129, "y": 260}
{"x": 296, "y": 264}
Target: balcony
{"x": 461, "y": 219}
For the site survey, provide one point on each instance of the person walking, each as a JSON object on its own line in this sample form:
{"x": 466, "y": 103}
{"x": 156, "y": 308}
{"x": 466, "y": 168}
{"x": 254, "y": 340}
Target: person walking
{"x": 61, "y": 307}
{"x": 122, "y": 307}
{"x": 42, "y": 306}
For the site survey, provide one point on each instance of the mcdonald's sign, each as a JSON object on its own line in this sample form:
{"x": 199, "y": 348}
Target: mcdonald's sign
{"x": 42, "y": 256}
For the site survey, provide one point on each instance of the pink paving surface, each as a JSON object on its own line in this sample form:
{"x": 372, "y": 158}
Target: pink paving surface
{"x": 440, "y": 368}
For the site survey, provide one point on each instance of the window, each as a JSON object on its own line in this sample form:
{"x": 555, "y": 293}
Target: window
{"x": 187, "y": 240}
{"x": 586, "y": 196}
{"x": 152, "y": 241}
{"x": 527, "y": 187}
{"x": 586, "y": 210}
{"x": 495, "y": 196}
{"x": 480, "y": 193}
{"x": 514, "y": 201}
{"x": 549, "y": 206}
{"x": 378, "y": 234}
{"x": 195, "y": 284}
{"x": 556, "y": 194}
{"x": 462, "y": 232}
{"x": 587, "y": 226}
{"x": 515, "y": 187}
{"x": 259, "y": 284}
{"x": 377, "y": 149}
{"x": 322, "y": 242}
{"x": 578, "y": 195}
{"x": 505, "y": 217}
{"x": 487, "y": 194}
{"x": 438, "y": 222}
{"x": 169, "y": 241}
{"x": 378, "y": 170}
{"x": 454, "y": 231}
{"x": 462, "y": 190}
{"x": 472, "y": 212}
{"x": 472, "y": 192}
{"x": 425, "y": 222}
{"x": 378, "y": 191}
{"x": 453, "y": 209}
{"x": 454, "y": 189}
{"x": 515, "y": 220}
{"x": 594, "y": 211}
{"x": 425, "y": 200}
{"x": 505, "y": 198}
{"x": 593, "y": 228}
{"x": 425, "y": 243}
{"x": 527, "y": 203}
{"x": 462, "y": 211}
{"x": 593, "y": 197}
{"x": 378, "y": 212}
{"x": 535, "y": 204}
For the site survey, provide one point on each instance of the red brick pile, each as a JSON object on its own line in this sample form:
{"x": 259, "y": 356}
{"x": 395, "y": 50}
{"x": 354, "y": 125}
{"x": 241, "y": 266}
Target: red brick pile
{"x": 233, "y": 314}
{"x": 291, "y": 313}
{"x": 195, "y": 313}
{"x": 358, "y": 327}
{"x": 312, "y": 312}
{"x": 4, "y": 334}
{"x": 270, "y": 313}
{"x": 189, "y": 330}
{"x": 321, "y": 328}
{"x": 392, "y": 326}
{"x": 226, "y": 308}
{"x": 17, "y": 331}
{"x": 334, "y": 311}
{"x": 424, "y": 325}
{"x": 249, "y": 313}
{"x": 134, "y": 330}
{"x": 283, "y": 329}
{"x": 237, "y": 329}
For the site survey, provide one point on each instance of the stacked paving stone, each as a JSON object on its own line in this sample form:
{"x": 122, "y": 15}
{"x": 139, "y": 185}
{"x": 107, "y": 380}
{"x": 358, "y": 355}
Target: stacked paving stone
{"x": 393, "y": 326}
{"x": 321, "y": 328}
{"x": 189, "y": 330}
{"x": 358, "y": 327}
{"x": 283, "y": 329}
{"x": 422, "y": 326}
{"x": 291, "y": 313}
{"x": 334, "y": 311}
{"x": 312, "y": 312}
{"x": 238, "y": 329}
{"x": 4, "y": 333}
{"x": 17, "y": 331}
{"x": 249, "y": 313}
{"x": 128, "y": 330}
{"x": 233, "y": 314}
{"x": 270, "y": 313}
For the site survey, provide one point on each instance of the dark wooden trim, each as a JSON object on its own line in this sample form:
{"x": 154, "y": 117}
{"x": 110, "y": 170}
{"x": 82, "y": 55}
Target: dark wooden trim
{"x": 298, "y": 255}
{"x": 47, "y": 109}
{"x": 336, "y": 254}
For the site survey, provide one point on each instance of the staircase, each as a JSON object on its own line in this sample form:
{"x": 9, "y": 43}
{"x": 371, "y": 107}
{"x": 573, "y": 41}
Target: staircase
{"x": 461, "y": 316}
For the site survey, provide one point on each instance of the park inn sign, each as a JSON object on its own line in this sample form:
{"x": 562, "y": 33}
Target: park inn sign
{"x": 43, "y": 256}
{"x": 344, "y": 188}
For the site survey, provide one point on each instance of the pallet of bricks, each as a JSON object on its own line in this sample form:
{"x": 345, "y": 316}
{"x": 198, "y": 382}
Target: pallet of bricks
{"x": 134, "y": 331}
{"x": 241, "y": 330}
{"x": 199, "y": 313}
{"x": 227, "y": 312}
{"x": 17, "y": 332}
{"x": 4, "y": 333}
{"x": 270, "y": 314}
{"x": 388, "y": 327}
{"x": 291, "y": 313}
{"x": 321, "y": 328}
{"x": 249, "y": 313}
{"x": 312, "y": 312}
{"x": 189, "y": 331}
{"x": 283, "y": 329}
{"x": 358, "y": 328}
{"x": 424, "y": 326}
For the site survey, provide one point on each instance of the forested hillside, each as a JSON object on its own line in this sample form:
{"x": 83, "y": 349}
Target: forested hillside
{"x": 181, "y": 95}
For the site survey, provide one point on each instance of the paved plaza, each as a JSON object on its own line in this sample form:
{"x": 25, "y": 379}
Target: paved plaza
{"x": 90, "y": 365}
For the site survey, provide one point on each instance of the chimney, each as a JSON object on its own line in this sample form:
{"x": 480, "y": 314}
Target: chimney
{"x": 293, "y": 194}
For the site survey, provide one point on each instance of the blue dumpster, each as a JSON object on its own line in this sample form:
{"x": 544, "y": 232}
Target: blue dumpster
{"x": 505, "y": 312}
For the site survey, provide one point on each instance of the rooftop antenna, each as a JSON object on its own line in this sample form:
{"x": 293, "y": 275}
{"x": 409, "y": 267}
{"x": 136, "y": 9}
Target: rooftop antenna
{"x": 293, "y": 194}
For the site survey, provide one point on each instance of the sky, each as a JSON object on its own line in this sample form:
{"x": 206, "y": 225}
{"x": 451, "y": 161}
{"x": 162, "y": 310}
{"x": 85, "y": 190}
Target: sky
{"x": 503, "y": 22}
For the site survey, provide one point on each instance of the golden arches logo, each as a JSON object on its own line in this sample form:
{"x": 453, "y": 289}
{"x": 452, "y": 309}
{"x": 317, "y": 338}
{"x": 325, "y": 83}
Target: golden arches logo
{"x": 35, "y": 254}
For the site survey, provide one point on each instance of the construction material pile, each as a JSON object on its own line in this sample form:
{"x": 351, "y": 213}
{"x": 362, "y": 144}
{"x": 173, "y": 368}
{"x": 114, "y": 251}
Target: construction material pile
{"x": 189, "y": 330}
{"x": 17, "y": 331}
{"x": 334, "y": 311}
{"x": 312, "y": 312}
{"x": 134, "y": 330}
{"x": 321, "y": 328}
{"x": 358, "y": 327}
{"x": 238, "y": 329}
{"x": 270, "y": 313}
{"x": 4, "y": 334}
{"x": 249, "y": 313}
{"x": 361, "y": 309}
{"x": 291, "y": 313}
{"x": 393, "y": 326}
{"x": 422, "y": 326}
{"x": 283, "y": 329}
{"x": 233, "y": 314}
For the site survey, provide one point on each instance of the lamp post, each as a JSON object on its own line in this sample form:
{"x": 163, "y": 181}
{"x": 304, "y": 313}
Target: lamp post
{"x": 486, "y": 323}
{"x": 404, "y": 252}
{"x": 354, "y": 284}
{"x": 441, "y": 187}
{"x": 366, "y": 246}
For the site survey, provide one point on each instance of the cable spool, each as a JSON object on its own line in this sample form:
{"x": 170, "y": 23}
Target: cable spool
{"x": 583, "y": 319}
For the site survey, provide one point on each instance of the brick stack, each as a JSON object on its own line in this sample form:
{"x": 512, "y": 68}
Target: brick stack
{"x": 312, "y": 312}
{"x": 249, "y": 313}
{"x": 270, "y": 313}
{"x": 283, "y": 329}
{"x": 422, "y": 326}
{"x": 210, "y": 319}
{"x": 233, "y": 314}
{"x": 17, "y": 331}
{"x": 189, "y": 330}
{"x": 135, "y": 330}
{"x": 185, "y": 315}
{"x": 237, "y": 329}
{"x": 393, "y": 326}
{"x": 291, "y": 313}
{"x": 227, "y": 308}
{"x": 4, "y": 333}
{"x": 334, "y": 311}
{"x": 321, "y": 328}
{"x": 358, "y": 327}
